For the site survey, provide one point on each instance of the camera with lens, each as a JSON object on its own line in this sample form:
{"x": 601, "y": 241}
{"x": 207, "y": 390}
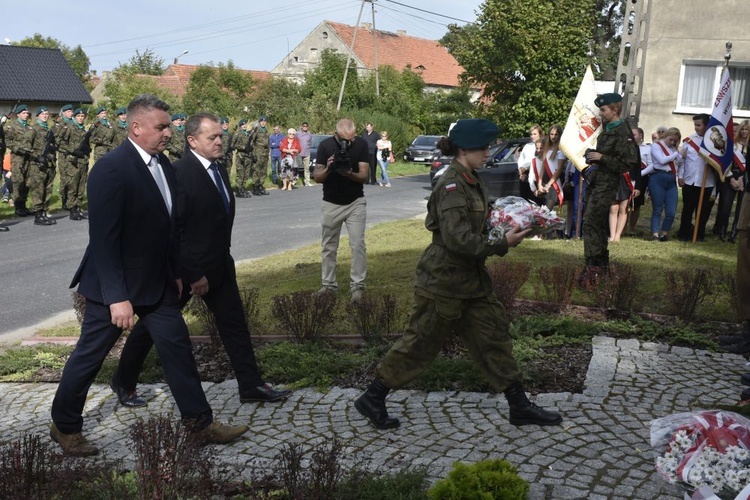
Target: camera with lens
{"x": 342, "y": 162}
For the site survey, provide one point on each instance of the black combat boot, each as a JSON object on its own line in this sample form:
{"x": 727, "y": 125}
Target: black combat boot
{"x": 74, "y": 215}
{"x": 524, "y": 412}
{"x": 371, "y": 405}
{"x": 44, "y": 214}
{"x": 41, "y": 220}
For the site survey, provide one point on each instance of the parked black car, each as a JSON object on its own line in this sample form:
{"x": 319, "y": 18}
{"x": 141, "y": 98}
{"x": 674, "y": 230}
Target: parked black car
{"x": 500, "y": 173}
{"x": 316, "y": 140}
{"x": 423, "y": 149}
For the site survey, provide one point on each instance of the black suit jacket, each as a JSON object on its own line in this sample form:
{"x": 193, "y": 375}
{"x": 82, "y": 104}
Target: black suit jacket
{"x": 203, "y": 225}
{"x": 132, "y": 252}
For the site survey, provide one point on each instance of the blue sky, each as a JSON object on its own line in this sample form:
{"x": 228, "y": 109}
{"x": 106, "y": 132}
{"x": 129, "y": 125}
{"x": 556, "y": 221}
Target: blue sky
{"x": 254, "y": 34}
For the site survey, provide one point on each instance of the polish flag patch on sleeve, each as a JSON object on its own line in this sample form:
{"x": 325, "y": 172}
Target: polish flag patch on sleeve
{"x": 451, "y": 187}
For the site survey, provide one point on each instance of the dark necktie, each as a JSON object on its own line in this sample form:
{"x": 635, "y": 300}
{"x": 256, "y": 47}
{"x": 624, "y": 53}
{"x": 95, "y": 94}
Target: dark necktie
{"x": 219, "y": 184}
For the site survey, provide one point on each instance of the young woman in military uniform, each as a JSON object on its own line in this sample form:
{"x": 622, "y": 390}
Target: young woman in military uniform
{"x": 454, "y": 290}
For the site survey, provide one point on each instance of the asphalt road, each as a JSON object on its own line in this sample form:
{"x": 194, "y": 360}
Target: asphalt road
{"x": 38, "y": 262}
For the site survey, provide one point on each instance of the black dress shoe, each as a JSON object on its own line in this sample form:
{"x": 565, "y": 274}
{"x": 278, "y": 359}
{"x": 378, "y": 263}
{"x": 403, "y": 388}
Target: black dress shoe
{"x": 127, "y": 398}
{"x": 4, "y": 229}
{"x": 265, "y": 394}
{"x": 745, "y": 379}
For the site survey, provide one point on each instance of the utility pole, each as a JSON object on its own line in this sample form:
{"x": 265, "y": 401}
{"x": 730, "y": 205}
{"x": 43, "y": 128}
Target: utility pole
{"x": 349, "y": 57}
{"x": 375, "y": 46}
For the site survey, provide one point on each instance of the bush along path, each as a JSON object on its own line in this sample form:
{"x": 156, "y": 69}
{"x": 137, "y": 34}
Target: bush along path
{"x": 601, "y": 450}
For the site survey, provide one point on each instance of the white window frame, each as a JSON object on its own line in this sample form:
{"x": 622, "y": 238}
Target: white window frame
{"x": 679, "y": 108}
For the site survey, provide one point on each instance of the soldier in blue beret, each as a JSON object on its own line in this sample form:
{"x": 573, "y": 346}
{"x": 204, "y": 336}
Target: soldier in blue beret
{"x": 453, "y": 290}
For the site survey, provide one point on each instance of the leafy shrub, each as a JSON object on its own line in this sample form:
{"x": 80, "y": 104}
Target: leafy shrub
{"x": 404, "y": 485}
{"x": 198, "y": 308}
{"x": 556, "y": 288}
{"x": 306, "y": 365}
{"x": 687, "y": 289}
{"x": 170, "y": 461}
{"x": 79, "y": 305}
{"x": 616, "y": 289}
{"x": 305, "y": 314}
{"x": 729, "y": 281}
{"x": 320, "y": 479}
{"x": 507, "y": 279}
{"x": 489, "y": 479}
{"x": 374, "y": 319}
{"x": 251, "y": 307}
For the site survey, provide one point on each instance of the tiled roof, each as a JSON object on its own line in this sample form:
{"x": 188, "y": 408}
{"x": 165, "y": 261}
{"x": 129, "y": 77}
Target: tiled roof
{"x": 40, "y": 75}
{"x": 427, "y": 57}
{"x": 177, "y": 76}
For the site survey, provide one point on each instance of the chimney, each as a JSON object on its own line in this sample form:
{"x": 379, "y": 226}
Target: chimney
{"x": 366, "y": 26}
{"x": 401, "y": 32}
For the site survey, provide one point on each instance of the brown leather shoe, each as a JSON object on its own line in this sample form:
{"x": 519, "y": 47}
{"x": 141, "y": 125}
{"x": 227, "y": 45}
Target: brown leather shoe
{"x": 72, "y": 444}
{"x": 218, "y": 433}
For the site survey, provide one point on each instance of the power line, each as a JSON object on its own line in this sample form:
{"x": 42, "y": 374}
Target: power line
{"x": 429, "y": 12}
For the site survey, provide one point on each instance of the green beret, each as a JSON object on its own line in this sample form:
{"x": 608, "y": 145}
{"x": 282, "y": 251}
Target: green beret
{"x": 183, "y": 116}
{"x": 100, "y": 109}
{"x": 21, "y": 108}
{"x": 473, "y": 133}
{"x": 605, "y": 99}
{"x": 121, "y": 111}
{"x": 262, "y": 119}
{"x": 40, "y": 110}
{"x": 66, "y": 108}
{"x": 242, "y": 122}
{"x": 79, "y": 111}
{"x": 224, "y": 119}
{"x": 175, "y": 116}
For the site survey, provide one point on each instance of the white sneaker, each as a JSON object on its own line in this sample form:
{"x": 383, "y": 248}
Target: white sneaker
{"x": 387, "y": 185}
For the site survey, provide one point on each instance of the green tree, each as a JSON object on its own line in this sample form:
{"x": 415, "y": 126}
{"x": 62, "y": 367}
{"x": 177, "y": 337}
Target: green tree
{"x": 324, "y": 81}
{"x": 76, "y": 57}
{"x": 607, "y": 36}
{"x": 146, "y": 63}
{"x": 528, "y": 57}
{"x": 221, "y": 89}
{"x": 122, "y": 86}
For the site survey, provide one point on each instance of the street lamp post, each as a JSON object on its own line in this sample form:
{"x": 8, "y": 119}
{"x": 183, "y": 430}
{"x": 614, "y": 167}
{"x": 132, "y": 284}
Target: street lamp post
{"x": 175, "y": 59}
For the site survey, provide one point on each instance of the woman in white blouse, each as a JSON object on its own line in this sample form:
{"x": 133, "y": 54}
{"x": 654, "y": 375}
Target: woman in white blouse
{"x": 662, "y": 185}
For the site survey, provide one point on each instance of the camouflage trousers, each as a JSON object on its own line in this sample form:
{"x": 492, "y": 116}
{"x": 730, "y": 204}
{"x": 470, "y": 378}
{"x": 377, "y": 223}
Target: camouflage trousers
{"x": 742, "y": 283}
{"x": 72, "y": 180}
{"x": 40, "y": 180}
{"x": 599, "y": 197}
{"x": 242, "y": 163}
{"x": 482, "y": 325}
{"x": 260, "y": 168}
{"x": 19, "y": 168}
{"x": 100, "y": 151}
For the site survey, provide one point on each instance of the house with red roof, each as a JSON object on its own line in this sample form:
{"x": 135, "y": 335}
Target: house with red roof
{"x": 438, "y": 68}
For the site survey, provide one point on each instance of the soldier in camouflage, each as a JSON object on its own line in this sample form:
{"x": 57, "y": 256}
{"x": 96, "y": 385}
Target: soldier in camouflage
{"x": 176, "y": 146}
{"x": 74, "y": 162}
{"x": 243, "y": 145}
{"x": 39, "y": 141}
{"x": 120, "y": 127}
{"x": 261, "y": 150}
{"x": 616, "y": 152}
{"x": 19, "y": 158}
{"x": 226, "y": 143}
{"x": 103, "y": 135}
{"x": 60, "y": 129}
{"x": 453, "y": 290}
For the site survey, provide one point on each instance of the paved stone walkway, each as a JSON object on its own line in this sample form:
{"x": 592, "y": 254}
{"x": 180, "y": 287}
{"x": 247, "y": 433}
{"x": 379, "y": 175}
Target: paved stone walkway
{"x": 602, "y": 450}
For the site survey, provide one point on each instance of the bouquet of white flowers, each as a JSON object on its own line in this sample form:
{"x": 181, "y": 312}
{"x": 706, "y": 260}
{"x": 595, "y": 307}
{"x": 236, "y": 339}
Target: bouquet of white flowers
{"x": 704, "y": 450}
{"x": 514, "y": 211}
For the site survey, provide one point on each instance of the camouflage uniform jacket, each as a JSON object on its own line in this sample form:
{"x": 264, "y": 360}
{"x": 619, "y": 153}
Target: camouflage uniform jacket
{"x": 14, "y": 133}
{"x": 35, "y": 142}
{"x": 71, "y": 139}
{"x": 457, "y": 212}
{"x": 240, "y": 141}
{"x": 102, "y": 136}
{"x": 121, "y": 133}
{"x": 260, "y": 141}
{"x": 620, "y": 152}
{"x": 176, "y": 146}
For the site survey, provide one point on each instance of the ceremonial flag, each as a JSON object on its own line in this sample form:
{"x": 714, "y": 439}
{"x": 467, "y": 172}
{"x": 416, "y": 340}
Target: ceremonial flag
{"x": 583, "y": 125}
{"x": 717, "y": 146}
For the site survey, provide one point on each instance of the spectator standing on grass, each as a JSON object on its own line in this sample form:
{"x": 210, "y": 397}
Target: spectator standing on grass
{"x": 642, "y": 182}
{"x": 662, "y": 183}
{"x": 690, "y": 175}
{"x": 290, "y": 149}
{"x": 553, "y": 168}
{"x": 626, "y": 193}
{"x": 371, "y": 138}
{"x": 305, "y": 141}
{"x": 524, "y": 162}
{"x": 274, "y": 141}
{"x": 342, "y": 167}
{"x": 733, "y": 186}
{"x": 453, "y": 290}
{"x": 385, "y": 153}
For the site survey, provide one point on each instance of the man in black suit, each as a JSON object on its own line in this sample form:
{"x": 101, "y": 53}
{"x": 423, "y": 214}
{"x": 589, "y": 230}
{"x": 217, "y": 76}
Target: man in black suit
{"x": 205, "y": 214}
{"x": 128, "y": 269}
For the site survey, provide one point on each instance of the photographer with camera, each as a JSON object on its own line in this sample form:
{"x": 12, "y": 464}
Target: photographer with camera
{"x": 342, "y": 167}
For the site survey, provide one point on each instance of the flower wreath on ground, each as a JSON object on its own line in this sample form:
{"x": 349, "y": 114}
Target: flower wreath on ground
{"x": 704, "y": 450}
{"x": 514, "y": 211}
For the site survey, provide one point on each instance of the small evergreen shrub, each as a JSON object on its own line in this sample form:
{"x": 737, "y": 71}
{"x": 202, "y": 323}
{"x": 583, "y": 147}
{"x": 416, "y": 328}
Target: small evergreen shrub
{"x": 306, "y": 314}
{"x": 486, "y": 480}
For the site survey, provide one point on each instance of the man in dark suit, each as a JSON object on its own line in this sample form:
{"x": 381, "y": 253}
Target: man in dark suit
{"x": 205, "y": 214}
{"x": 128, "y": 269}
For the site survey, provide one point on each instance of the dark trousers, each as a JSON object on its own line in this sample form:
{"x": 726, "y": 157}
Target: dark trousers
{"x": 226, "y": 305}
{"x": 98, "y": 335}
{"x": 727, "y": 194}
{"x": 373, "y": 160}
{"x": 690, "y": 197}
